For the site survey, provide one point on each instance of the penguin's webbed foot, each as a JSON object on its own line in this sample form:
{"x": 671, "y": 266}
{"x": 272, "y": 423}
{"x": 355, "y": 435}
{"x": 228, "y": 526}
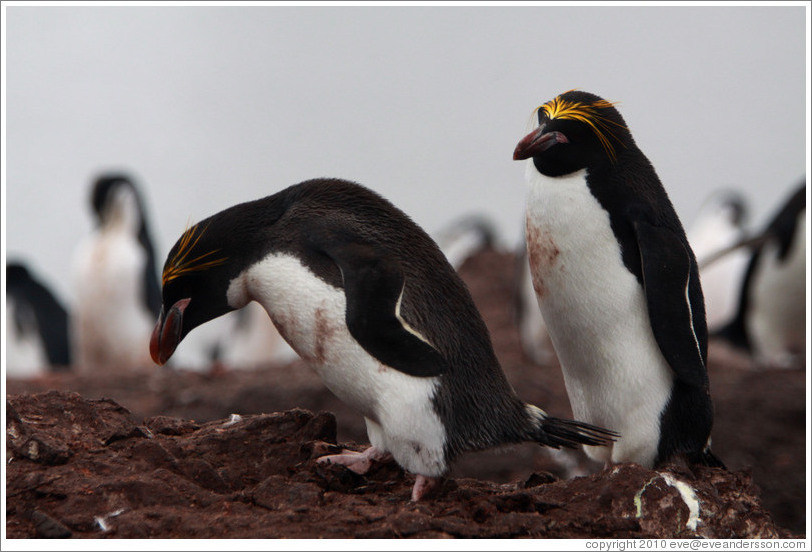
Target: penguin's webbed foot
{"x": 359, "y": 462}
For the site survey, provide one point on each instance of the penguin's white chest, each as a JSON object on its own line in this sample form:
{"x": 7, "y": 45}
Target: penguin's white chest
{"x": 310, "y": 315}
{"x": 596, "y": 315}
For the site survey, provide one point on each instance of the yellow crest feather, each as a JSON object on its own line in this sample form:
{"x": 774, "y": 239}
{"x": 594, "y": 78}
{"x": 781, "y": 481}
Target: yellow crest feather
{"x": 559, "y": 108}
{"x": 179, "y": 265}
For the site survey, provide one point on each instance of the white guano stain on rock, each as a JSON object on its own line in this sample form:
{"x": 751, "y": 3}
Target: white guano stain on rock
{"x": 688, "y": 496}
{"x": 686, "y": 492}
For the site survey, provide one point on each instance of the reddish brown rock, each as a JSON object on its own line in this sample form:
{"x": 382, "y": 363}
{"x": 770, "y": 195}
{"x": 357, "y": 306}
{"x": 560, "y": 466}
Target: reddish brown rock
{"x": 257, "y": 476}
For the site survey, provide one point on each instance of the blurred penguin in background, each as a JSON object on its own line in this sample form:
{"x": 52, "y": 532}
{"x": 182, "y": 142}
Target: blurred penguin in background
{"x": 115, "y": 281}
{"x": 36, "y": 326}
{"x": 466, "y": 237}
{"x": 770, "y": 319}
{"x": 720, "y": 224}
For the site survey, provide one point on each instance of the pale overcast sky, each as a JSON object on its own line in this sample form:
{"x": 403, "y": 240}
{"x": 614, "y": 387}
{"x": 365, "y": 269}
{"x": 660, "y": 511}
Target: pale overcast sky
{"x": 210, "y": 106}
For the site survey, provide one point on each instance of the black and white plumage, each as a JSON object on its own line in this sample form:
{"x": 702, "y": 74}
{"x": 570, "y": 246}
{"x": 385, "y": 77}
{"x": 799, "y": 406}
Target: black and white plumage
{"x": 720, "y": 224}
{"x": 770, "y": 316}
{"x": 617, "y": 283}
{"x": 117, "y": 295}
{"x": 368, "y": 299}
{"x": 36, "y": 326}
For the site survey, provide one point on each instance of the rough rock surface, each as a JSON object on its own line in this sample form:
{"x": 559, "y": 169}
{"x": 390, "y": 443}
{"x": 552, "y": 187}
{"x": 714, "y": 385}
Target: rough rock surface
{"x": 760, "y": 432}
{"x": 87, "y": 468}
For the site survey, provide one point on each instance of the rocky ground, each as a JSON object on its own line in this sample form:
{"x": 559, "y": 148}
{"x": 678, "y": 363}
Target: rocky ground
{"x": 159, "y": 454}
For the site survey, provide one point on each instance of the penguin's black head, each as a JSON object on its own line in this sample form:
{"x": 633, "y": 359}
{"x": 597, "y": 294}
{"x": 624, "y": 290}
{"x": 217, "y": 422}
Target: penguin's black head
{"x": 195, "y": 268}
{"x": 202, "y": 264}
{"x": 575, "y": 130}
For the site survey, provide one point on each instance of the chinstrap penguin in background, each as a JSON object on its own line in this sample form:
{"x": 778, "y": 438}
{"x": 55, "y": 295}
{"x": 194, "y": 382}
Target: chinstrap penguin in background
{"x": 36, "y": 326}
{"x": 369, "y": 300}
{"x": 617, "y": 284}
{"x": 115, "y": 279}
{"x": 721, "y": 223}
{"x": 770, "y": 316}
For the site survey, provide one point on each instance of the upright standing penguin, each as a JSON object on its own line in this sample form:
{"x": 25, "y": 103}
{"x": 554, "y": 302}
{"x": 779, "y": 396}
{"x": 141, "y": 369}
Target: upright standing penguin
{"x": 115, "y": 281}
{"x": 369, "y": 300}
{"x": 617, "y": 283}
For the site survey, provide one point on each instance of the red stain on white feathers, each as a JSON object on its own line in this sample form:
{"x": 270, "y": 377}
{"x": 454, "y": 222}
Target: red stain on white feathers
{"x": 542, "y": 254}
{"x": 323, "y": 334}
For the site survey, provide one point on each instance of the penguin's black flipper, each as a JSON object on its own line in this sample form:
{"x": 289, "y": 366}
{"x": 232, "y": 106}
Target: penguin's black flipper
{"x": 373, "y": 286}
{"x": 673, "y": 295}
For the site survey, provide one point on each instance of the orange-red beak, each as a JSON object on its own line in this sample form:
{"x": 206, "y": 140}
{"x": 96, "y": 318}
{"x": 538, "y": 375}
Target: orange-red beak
{"x": 537, "y": 142}
{"x": 167, "y": 333}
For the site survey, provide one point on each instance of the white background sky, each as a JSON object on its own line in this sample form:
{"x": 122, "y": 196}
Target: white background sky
{"x": 210, "y": 106}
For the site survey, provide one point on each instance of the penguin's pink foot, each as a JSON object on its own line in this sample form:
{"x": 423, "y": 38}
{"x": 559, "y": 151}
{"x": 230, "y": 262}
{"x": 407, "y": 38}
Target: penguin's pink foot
{"x": 359, "y": 462}
{"x": 424, "y": 485}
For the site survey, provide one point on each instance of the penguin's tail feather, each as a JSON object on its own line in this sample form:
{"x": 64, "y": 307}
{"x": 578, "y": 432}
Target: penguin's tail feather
{"x": 558, "y": 432}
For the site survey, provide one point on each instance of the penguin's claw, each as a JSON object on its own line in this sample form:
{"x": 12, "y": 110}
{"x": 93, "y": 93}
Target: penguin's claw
{"x": 424, "y": 485}
{"x": 359, "y": 462}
